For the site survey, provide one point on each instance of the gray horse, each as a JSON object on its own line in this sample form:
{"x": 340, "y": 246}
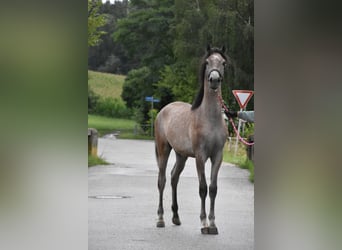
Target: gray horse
{"x": 198, "y": 131}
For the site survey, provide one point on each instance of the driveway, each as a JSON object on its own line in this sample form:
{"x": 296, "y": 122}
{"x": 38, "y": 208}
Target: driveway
{"x": 123, "y": 200}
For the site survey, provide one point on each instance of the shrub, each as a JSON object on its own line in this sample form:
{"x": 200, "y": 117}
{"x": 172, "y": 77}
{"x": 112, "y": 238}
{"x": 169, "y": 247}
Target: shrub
{"x": 112, "y": 107}
{"x": 92, "y": 100}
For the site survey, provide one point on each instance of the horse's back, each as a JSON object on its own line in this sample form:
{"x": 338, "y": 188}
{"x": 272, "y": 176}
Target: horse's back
{"x": 173, "y": 113}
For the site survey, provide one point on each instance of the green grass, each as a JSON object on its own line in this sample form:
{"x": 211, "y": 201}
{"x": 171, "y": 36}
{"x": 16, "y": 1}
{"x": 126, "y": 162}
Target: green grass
{"x": 239, "y": 159}
{"x": 230, "y": 156}
{"x": 105, "y": 84}
{"x": 106, "y": 124}
{"x": 250, "y": 166}
{"x": 95, "y": 160}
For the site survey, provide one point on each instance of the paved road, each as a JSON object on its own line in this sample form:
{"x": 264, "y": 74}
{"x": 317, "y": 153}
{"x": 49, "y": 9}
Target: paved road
{"x": 123, "y": 199}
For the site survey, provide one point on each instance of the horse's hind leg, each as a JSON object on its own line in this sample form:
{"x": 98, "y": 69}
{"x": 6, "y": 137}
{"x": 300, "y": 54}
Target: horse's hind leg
{"x": 162, "y": 153}
{"x": 176, "y": 171}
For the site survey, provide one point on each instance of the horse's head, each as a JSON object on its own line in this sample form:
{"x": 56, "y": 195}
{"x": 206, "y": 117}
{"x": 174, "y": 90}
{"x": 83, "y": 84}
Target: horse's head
{"x": 215, "y": 64}
{"x": 211, "y": 73}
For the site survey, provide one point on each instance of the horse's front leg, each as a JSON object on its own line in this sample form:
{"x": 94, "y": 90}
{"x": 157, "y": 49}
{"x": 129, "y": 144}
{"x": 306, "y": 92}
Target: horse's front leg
{"x": 203, "y": 191}
{"x": 216, "y": 163}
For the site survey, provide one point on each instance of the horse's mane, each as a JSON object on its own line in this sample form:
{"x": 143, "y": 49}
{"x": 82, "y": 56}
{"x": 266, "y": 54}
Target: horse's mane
{"x": 198, "y": 100}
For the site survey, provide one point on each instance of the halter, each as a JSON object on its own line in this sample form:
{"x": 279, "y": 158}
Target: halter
{"x": 232, "y": 122}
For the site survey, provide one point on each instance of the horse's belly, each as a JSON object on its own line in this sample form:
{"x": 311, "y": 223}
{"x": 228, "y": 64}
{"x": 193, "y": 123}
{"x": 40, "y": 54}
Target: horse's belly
{"x": 182, "y": 146}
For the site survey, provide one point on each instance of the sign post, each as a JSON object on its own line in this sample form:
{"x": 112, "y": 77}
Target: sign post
{"x": 243, "y": 97}
{"x": 152, "y": 100}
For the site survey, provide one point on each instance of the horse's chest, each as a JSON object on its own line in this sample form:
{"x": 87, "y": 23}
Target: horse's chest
{"x": 212, "y": 137}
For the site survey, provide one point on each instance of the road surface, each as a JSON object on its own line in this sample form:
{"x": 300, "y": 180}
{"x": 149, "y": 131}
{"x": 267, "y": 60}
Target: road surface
{"x": 123, "y": 200}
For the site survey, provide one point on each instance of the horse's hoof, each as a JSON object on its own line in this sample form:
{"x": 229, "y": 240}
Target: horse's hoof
{"x": 213, "y": 230}
{"x": 209, "y": 230}
{"x": 160, "y": 223}
{"x": 205, "y": 230}
{"x": 176, "y": 221}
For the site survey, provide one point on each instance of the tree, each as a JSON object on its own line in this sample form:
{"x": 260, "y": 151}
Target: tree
{"x": 136, "y": 87}
{"x": 109, "y": 56}
{"x": 159, "y": 44}
{"x": 95, "y": 20}
{"x": 145, "y": 35}
{"x": 216, "y": 22}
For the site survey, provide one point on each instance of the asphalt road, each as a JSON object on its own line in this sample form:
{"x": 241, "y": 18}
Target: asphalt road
{"x": 123, "y": 200}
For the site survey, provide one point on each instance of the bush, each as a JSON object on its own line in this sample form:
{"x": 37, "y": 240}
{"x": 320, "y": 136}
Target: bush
{"x": 112, "y": 107}
{"x": 249, "y": 130}
{"x": 92, "y": 100}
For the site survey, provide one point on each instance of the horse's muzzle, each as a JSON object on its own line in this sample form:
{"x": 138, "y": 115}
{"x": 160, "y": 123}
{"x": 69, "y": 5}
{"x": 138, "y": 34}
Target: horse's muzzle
{"x": 214, "y": 79}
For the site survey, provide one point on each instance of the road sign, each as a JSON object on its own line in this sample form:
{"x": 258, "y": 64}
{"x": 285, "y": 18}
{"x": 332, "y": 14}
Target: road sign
{"x": 151, "y": 99}
{"x": 243, "y": 97}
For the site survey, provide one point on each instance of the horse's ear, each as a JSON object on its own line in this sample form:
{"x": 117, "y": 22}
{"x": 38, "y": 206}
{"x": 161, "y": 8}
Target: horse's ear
{"x": 208, "y": 48}
{"x": 223, "y": 49}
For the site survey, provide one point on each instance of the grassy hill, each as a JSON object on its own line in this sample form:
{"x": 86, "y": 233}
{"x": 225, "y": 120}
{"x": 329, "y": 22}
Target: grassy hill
{"x": 105, "y": 84}
{"x": 110, "y": 85}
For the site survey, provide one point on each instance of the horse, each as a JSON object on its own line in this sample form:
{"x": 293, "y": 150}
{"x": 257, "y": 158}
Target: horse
{"x": 197, "y": 131}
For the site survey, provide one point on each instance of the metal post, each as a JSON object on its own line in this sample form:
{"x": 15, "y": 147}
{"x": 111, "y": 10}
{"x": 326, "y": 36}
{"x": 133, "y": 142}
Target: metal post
{"x": 237, "y": 136}
{"x": 92, "y": 141}
{"x": 152, "y": 117}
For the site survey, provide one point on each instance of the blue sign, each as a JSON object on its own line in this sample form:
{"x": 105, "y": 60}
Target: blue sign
{"x": 151, "y": 99}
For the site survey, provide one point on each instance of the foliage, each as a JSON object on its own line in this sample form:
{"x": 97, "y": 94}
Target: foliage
{"x": 150, "y": 47}
{"x": 159, "y": 45}
{"x": 176, "y": 83}
{"x": 104, "y": 95}
{"x": 152, "y": 114}
{"x": 92, "y": 100}
{"x": 95, "y": 20}
{"x": 150, "y": 43}
{"x": 248, "y": 130}
{"x": 109, "y": 56}
{"x": 136, "y": 87}
{"x": 112, "y": 107}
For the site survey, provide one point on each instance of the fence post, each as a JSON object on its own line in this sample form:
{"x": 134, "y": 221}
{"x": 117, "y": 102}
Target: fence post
{"x": 92, "y": 141}
{"x": 250, "y": 148}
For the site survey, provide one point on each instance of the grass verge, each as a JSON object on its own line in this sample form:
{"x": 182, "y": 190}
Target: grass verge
{"x": 106, "y": 125}
{"x": 248, "y": 164}
{"x": 240, "y": 158}
{"x": 95, "y": 160}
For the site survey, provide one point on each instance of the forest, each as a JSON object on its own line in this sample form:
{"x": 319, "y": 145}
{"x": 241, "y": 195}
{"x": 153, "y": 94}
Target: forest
{"x": 158, "y": 44}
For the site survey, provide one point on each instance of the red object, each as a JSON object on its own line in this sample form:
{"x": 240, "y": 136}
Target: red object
{"x": 243, "y": 97}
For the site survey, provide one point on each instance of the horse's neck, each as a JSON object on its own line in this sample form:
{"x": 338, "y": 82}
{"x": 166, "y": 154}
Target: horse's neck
{"x": 210, "y": 105}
